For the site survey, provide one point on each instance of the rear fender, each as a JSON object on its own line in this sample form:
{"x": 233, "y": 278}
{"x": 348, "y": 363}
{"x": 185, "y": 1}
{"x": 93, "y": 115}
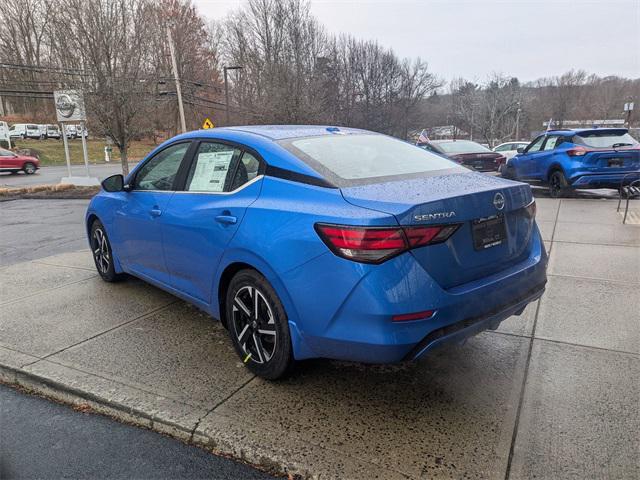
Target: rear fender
{"x": 300, "y": 348}
{"x": 552, "y": 168}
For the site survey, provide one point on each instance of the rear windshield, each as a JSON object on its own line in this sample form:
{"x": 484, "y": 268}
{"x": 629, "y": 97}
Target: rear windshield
{"x": 462, "y": 146}
{"x": 365, "y": 158}
{"x": 604, "y": 139}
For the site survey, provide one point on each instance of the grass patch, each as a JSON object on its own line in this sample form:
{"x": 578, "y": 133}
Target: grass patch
{"x": 51, "y": 152}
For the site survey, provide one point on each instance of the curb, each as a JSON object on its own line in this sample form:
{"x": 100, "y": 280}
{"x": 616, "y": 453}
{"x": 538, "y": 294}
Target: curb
{"x": 74, "y": 397}
{"x": 48, "y": 197}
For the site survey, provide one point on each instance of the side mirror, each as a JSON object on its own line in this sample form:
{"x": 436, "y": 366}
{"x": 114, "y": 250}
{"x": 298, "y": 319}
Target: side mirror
{"x": 520, "y": 150}
{"x": 114, "y": 183}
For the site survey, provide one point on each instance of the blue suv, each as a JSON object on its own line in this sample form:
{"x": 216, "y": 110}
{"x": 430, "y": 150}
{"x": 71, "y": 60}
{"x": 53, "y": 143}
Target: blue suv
{"x": 581, "y": 158}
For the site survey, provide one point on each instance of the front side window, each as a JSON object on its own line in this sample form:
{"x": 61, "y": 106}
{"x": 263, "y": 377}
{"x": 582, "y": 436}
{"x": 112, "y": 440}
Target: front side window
{"x": 212, "y": 167}
{"x": 536, "y": 145}
{"x": 348, "y": 158}
{"x": 160, "y": 172}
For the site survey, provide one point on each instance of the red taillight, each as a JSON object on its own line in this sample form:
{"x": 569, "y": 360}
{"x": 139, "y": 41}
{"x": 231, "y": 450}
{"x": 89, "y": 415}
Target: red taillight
{"x": 500, "y": 160}
{"x": 408, "y": 317}
{"x": 577, "y": 151}
{"x": 377, "y": 244}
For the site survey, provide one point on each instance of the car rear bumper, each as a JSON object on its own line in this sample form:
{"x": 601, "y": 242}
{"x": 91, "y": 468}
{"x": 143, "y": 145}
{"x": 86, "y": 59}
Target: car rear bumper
{"x": 599, "y": 180}
{"x": 359, "y": 327}
{"x": 460, "y": 331}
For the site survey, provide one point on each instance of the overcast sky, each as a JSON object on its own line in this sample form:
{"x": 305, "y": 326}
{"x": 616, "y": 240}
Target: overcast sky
{"x": 473, "y": 38}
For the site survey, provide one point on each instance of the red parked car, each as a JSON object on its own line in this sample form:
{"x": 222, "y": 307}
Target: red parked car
{"x": 467, "y": 153}
{"x": 12, "y": 162}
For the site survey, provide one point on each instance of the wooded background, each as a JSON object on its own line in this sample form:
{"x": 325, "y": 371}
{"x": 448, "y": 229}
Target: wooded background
{"x": 294, "y": 71}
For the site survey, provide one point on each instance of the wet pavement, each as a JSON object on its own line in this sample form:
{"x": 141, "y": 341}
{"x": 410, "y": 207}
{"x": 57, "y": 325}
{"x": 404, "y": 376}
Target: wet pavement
{"x": 554, "y": 393}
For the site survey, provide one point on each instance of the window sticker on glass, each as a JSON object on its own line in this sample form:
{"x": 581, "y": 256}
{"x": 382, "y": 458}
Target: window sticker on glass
{"x": 211, "y": 171}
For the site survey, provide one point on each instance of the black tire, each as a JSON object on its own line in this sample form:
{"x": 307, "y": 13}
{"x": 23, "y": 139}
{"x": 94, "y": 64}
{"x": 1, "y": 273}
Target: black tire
{"x": 266, "y": 349}
{"x": 102, "y": 255}
{"x": 29, "y": 168}
{"x": 557, "y": 184}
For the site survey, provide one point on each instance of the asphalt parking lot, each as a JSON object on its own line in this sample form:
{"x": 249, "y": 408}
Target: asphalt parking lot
{"x": 51, "y": 175}
{"x": 552, "y": 394}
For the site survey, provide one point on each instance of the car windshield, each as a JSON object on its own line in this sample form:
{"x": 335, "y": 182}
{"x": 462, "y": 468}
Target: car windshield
{"x": 364, "y": 156}
{"x": 462, "y": 146}
{"x": 605, "y": 139}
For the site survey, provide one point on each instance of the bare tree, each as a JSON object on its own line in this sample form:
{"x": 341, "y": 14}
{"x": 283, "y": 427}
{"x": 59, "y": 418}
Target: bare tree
{"x": 112, "y": 38}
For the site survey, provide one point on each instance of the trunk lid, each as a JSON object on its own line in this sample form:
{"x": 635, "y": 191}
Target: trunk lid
{"x": 478, "y": 161}
{"x": 462, "y": 198}
{"x": 613, "y": 160}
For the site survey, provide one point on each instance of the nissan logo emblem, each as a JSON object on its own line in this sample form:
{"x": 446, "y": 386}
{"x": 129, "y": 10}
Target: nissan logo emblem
{"x": 65, "y": 105}
{"x": 498, "y": 201}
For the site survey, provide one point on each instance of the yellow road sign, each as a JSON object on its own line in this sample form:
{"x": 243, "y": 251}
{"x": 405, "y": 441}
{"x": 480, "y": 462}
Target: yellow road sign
{"x": 207, "y": 124}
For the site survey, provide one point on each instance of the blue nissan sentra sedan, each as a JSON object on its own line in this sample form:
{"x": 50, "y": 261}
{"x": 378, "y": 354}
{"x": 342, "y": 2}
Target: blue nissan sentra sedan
{"x": 313, "y": 241}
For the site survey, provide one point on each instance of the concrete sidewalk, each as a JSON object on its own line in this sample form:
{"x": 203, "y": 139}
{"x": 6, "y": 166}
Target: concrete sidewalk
{"x": 552, "y": 394}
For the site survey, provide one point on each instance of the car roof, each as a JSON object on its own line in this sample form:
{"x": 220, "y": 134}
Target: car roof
{"x": 451, "y": 141}
{"x": 263, "y": 139}
{"x": 574, "y": 131}
{"x": 282, "y": 132}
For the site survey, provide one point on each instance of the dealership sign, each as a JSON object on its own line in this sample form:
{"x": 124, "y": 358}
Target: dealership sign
{"x": 69, "y": 105}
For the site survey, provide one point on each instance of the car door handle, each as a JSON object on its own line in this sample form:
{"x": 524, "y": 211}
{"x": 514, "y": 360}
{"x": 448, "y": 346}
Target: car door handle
{"x": 227, "y": 219}
{"x": 155, "y": 212}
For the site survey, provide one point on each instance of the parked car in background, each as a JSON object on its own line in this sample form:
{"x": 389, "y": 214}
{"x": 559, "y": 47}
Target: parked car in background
{"x": 53, "y": 131}
{"x": 25, "y": 130}
{"x": 509, "y": 149}
{"x": 467, "y": 153}
{"x": 416, "y": 250}
{"x": 71, "y": 131}
{"x": 584, "y": 158}
{"x": 81, "y": 131}
{"x": 14, "y": 163}
{"x": 4, "y": 132}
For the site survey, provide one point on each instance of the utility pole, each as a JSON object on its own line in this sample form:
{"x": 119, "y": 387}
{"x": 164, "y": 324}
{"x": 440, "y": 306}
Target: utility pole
{"x": 177, "y": 78}
{"x": 518, "y": 123}
{"x": 226, "y": 92}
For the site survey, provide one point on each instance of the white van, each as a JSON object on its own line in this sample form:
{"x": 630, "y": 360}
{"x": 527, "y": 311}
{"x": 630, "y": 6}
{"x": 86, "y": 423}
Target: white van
{"x": 71, "y": 131}
{"x": 4, "y": 132}
{"x": 53, "y": 131}
{"x": 25, "y": 130}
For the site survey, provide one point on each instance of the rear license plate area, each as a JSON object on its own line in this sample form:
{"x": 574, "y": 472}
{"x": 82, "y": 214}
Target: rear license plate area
{"x": 488, "y": 232}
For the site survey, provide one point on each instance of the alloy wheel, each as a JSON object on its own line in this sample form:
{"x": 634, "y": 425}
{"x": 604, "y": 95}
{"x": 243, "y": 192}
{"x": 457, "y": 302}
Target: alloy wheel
{"x": 254, "y": 325}
{"x": 101, "y": 250}
{"x": 29, "y": 169}
{"x": 555, "y": 185}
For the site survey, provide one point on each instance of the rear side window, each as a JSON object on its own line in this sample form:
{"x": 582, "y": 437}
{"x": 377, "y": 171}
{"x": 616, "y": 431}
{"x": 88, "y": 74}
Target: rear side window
{"x": 211, "y": 168}
{"x": 346, "y": 158}
{"x": 246, "y": 171}
{"x": 552, "y": 142}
